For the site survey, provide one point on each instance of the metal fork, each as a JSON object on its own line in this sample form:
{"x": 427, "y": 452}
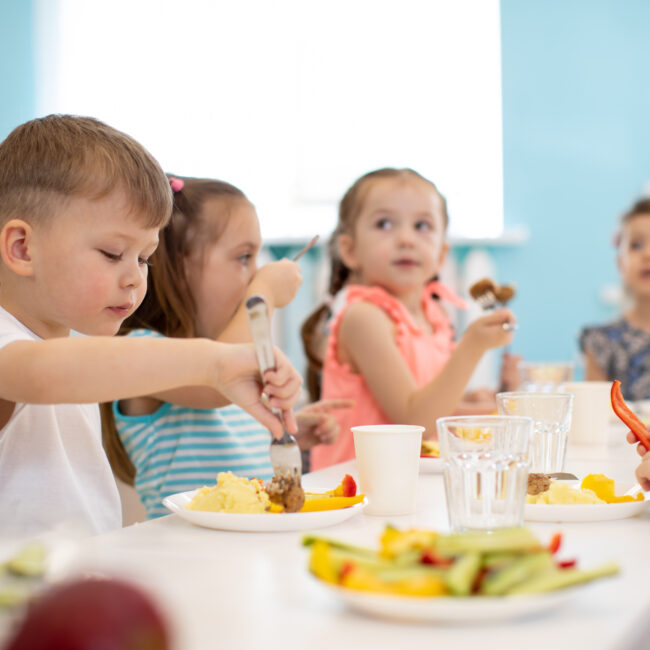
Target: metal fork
{"x": 489, "y": 301}
{"x": 285, "y": 453}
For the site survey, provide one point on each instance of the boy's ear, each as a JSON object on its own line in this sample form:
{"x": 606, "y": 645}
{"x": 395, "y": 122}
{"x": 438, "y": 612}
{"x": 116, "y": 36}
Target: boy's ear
{"x": 345, "y": 245}
{"x": 15, "y": 243}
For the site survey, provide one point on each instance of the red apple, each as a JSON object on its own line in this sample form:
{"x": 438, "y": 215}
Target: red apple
{"x": 92, "y": 614}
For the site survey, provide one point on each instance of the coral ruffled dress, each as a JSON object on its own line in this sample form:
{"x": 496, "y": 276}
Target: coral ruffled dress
{"x": 425, "y": 355}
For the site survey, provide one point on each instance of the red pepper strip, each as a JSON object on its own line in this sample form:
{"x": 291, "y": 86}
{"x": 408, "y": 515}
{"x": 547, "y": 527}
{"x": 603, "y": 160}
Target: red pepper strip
{"x": 555, "y": 544}
{"x": 628, "y": 417}
{"x": 429, "y": 556}
{"x": 349, "y": 486}
{"x": 567, "y": 564}
{"x": 478, "y": 580}
{"x": 347, "y": 567}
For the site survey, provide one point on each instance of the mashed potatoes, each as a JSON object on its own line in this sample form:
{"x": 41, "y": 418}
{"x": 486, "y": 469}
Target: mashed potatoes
{"x": 561, "y": 493}
{"x": 232, "y": 494}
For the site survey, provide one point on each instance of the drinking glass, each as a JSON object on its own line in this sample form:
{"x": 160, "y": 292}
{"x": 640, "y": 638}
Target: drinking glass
{"x": 551, "y": 414}
{"x": 485, "y": 470}
{"x": 545, "y": 376}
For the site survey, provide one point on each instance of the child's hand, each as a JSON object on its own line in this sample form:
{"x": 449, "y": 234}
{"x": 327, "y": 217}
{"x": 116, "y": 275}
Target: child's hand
{"x": 282, "y": 279}
{"x": 237, "y": 377}
{"x": 643, "y": 471}
{"x": 488, "y": 332}
{"x": 640, "y": 448}
{"x": 317, "y": 425}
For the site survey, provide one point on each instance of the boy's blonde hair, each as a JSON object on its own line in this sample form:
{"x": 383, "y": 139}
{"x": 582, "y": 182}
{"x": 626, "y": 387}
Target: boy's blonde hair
{"x": 47, "y": 161}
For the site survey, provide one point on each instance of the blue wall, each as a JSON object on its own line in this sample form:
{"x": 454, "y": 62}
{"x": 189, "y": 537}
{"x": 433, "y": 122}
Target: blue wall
{"x": 17, "y": 86}
{"x": 576, "y": 153}
{"x": 576, "y": 148}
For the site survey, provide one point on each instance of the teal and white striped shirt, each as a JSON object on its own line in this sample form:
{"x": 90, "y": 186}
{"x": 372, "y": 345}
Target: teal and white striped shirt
{"x": 176, "y": 449}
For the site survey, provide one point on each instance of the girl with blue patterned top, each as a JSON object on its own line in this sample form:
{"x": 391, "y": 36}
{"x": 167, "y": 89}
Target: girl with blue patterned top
{"x": 202, "y": 272}
{"x": 621, "y": 350}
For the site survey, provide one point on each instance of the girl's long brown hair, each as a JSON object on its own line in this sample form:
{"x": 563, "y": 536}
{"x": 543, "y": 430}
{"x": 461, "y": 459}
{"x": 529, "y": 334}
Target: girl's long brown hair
{"x": 313, "y": 329}
{"x": 168, "y": 306}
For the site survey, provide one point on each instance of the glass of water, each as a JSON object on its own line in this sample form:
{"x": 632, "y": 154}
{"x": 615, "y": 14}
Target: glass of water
{"x": 551, "y": 414}
{"x": 486, "y": 468}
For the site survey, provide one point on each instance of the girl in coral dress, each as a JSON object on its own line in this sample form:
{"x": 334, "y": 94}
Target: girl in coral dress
{"x": 390, "y": 346}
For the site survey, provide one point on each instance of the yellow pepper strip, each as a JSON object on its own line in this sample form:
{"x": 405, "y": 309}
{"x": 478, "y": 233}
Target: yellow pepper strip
{"x": 604, "y": 487}
{"x": 316, "y": 504}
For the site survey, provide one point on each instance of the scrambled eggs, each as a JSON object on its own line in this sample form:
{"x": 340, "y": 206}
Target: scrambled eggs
{"x": 232, "y": 494}
{"x": 561, "y": 493}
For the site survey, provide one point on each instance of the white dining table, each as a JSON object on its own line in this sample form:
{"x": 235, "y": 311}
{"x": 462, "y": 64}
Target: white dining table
{"x": 234, "y": 590}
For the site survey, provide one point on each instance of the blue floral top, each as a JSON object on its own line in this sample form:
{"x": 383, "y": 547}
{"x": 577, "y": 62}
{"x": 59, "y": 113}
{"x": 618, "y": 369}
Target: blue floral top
{"x": 622, "y": 352}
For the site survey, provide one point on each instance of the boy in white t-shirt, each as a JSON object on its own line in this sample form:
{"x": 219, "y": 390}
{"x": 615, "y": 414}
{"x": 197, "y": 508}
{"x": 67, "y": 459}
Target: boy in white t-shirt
{"x": 81, "y": 205}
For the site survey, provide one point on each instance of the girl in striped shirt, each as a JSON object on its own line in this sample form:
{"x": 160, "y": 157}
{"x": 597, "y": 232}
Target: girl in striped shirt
{"x": 202, "y": 272}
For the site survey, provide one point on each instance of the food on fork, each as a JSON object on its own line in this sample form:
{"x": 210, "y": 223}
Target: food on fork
{"x": 422, "y": 563}
{"x": 430, "y": 449}
{"x": 505, "y": 293}
{"x": 481, "y": 287}
{"x": 285, "y": 490}
{"x": 502, "y": 293}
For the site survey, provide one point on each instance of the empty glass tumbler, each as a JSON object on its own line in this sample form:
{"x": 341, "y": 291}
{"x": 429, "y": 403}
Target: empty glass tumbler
{"x": 551, "y": 414}
{"x": 486, "y": 464}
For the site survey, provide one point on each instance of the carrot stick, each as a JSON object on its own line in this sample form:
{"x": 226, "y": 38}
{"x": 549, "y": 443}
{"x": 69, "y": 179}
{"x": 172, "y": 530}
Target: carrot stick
{"x": 627, "y": 416}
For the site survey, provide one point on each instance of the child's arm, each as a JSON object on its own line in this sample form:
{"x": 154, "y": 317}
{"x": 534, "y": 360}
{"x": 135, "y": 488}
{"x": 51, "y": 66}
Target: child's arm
{"x": 102, "y": 369}
{"x": 592, "y": 370}
{"x": 367, "y": 338}
{"x": 277, "y": 283}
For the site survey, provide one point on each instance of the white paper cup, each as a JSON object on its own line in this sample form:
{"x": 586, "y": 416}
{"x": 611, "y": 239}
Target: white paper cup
{"x": 592, "y": 412}
{"x": 388, "y": 462}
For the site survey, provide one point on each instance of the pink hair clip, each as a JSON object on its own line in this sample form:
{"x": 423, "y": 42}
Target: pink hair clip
{"x": 176, "y": 183}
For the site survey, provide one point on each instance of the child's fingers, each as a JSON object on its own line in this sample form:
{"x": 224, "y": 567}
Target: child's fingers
{"x": 327, "y": 405}
{"x": 290, "y": 421}
{"x": 267, "y": 419}
{"x": 284, "y": 397}
{"x": 631, "y": 438}
{"x": 328, "y": 431}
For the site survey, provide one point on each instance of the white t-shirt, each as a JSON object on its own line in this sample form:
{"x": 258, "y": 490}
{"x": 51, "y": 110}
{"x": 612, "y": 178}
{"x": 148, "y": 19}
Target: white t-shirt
{"x": 53, "y": 468}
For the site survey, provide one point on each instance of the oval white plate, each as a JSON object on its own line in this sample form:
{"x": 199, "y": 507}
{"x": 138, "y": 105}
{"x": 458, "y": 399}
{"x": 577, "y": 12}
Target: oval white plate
{"x": 258, "y": 523}
{"x": 430, "y": 465}
{"x": 576, "y": 513}
{"x": 478, "y": 609}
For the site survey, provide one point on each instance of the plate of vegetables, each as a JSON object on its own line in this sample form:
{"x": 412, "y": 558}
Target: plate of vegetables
{"x": 421, "y": 575}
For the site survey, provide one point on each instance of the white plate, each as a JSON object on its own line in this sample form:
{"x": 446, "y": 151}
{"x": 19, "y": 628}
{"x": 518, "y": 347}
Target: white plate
{"x": 259, "y": 523}
{"x": 588, "y": 512}
{"x": 430, "y": 465}
{"x": 478, "y": 609}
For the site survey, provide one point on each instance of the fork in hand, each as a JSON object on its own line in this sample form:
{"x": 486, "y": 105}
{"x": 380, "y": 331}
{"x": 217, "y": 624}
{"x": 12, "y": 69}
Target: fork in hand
{"x": 483, "y": 292}
{"x": 285, "y": 453}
